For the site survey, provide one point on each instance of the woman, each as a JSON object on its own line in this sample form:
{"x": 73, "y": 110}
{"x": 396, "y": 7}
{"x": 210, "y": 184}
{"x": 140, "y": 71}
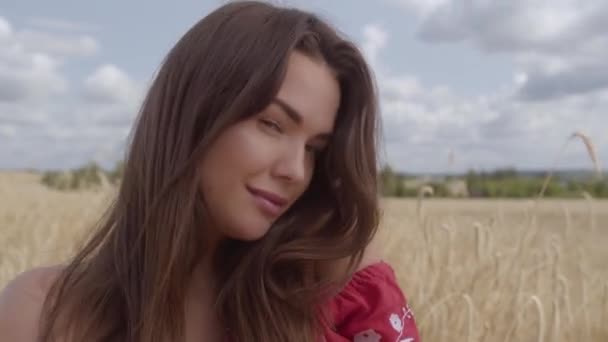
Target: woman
{"x": 248, "y": 202}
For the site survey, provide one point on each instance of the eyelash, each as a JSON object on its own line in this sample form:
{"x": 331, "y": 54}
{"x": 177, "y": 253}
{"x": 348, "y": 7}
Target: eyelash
{"x": 314, "y": 150}
{"x": 272, "y": 125}
{"x": 276, "y": 127}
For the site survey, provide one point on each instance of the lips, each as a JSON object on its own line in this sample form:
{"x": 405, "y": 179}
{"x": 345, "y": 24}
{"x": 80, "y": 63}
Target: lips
{"x": 270, "y": 203}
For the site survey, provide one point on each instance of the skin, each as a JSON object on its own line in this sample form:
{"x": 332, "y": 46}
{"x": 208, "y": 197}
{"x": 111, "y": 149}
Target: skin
{"x": 274, "y": 150}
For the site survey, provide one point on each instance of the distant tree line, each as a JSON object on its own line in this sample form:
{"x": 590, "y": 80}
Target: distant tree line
{"x": 88, "y": 176}
{"x": 503, "y": 183}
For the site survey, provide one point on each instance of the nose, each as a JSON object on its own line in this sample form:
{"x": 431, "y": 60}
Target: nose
{"x": 293, "y": 165}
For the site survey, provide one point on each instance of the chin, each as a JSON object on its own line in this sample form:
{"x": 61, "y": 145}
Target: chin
{"x": 249, "y": 236}
{"x": 251, "y": 232}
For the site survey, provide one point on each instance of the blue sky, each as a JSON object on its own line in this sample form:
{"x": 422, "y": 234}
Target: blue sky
{"x": 490, "y": 83}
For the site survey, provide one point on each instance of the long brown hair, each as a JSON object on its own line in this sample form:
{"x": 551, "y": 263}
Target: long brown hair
{"x": 128, "y": 281}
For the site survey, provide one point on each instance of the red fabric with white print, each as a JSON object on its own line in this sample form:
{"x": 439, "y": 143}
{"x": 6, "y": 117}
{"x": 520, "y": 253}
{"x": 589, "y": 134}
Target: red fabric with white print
{"x": 371, "y": 308}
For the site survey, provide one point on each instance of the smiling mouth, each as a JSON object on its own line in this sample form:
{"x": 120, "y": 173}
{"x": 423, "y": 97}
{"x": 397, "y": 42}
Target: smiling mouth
{"x": 269, "y": 203}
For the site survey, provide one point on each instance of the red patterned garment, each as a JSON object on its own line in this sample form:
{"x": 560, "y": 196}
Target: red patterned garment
{"x": 371, "y": 308}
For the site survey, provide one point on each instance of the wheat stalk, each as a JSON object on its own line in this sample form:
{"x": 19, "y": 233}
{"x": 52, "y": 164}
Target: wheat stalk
{"x": 568, "y": 218}
{"x": 442, "y": 317}
{"x": 422, "y": 192}
{"x": 479, "y": 240}
{"x": 435, "y": 307}
{"x": 605, "y": 303}
{"x": 566, "y": 289}
{"x": 556, "y": 324}
{"x": 497, "y": 273}
{"x": 589, "y": 201}
{"x": 590, "y": 151}
{"x": 470, "y": 311}
{"x": 541, "y": 316}
{"x": 449, "y": 245}
{"x": 585, "y": 312}
{"x": 516, "y": 254}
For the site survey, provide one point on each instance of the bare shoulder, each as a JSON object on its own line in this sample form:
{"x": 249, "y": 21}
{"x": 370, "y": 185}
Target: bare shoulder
{"x": 21, "y": 303}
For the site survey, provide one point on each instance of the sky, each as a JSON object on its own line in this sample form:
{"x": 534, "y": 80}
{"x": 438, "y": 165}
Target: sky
{"x": 475, "y": 84}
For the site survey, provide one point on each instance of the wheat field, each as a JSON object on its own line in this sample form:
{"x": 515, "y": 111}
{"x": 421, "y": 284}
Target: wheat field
{"x": 472, "y": 270}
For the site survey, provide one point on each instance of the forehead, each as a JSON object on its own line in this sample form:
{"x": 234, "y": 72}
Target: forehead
{"x": 311, "y": 88}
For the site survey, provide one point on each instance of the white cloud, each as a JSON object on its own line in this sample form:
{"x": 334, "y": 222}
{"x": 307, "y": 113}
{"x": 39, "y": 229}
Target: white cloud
{"x": 423, "y": 124}
{"x": 35, "y": 77}
{"x": 62, "y": 136}
{"x": 419, "y": 7}
{"x": 561, "y": 45}
{"x": 6, "y": 31}
{"x": 27, "y": 41}
{"x": 375, "y": 38}
{"x": 58, "y": 44}
{"x": 8, "y": 131}
{"x": 26, "y": 75}
{"x": 109, "y": 84}
{"x": 55, "y": 24}
{"x": 46, "y": 122}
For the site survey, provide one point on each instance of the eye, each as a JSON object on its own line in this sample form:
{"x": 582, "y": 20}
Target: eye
{"x": 271, "y": 124}
{"x": 314, "y": 150}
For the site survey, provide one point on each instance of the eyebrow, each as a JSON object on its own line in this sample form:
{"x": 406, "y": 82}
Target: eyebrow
{"x": 295, "y": 116}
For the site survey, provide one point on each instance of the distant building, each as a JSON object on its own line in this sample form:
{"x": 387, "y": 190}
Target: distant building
{"x": 453, "y": 187}
{"x": 457, "y": 188}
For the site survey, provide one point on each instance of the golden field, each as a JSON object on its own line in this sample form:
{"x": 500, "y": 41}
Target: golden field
{"x": 473, "y": 270}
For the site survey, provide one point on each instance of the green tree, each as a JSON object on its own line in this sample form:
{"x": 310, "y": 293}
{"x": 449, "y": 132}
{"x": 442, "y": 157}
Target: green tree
{"x": 389, "y": 181}
{"x": 116, "y": 175}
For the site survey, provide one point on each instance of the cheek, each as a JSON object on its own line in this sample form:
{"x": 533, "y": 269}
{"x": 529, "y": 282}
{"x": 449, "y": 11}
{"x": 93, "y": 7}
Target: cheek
{"x": 235, "y": 158}
{"x": 238, "y": 151}
{"x": 305, "y": 184}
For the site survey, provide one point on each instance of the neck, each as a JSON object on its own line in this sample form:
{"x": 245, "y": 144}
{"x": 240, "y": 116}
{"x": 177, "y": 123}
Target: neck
{"x": 203, "y": 273}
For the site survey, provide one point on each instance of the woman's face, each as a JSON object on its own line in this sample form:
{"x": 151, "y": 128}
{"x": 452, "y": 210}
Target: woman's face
{"x": 260, "y": 166}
